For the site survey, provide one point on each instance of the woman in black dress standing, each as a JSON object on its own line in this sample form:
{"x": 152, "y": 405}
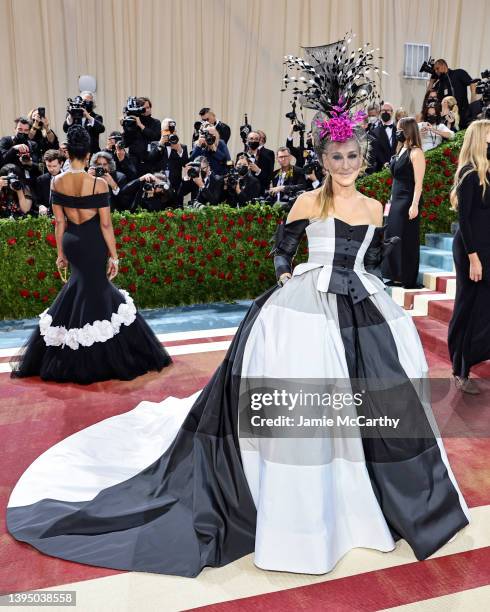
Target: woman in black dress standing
{"x": 92, "y": 331}
{"x": 469, "y": 328}
{"x": 401, "y": 266}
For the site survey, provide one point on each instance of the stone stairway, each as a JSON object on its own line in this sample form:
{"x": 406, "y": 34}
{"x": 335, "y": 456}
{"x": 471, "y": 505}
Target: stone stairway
{"x": 432, "y": 306}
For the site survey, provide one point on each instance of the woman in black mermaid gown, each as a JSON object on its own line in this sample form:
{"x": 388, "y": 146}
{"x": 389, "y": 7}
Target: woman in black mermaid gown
{"x": 401, "y": 266}
{"x": 469, "y": 328}
{"x": 92, "y": 331}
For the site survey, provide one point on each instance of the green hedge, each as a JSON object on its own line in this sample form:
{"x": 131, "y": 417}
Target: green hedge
{"x": 188, "y": 257}
{"x": 166, "y": 259}
{"x": 436, "y": 213}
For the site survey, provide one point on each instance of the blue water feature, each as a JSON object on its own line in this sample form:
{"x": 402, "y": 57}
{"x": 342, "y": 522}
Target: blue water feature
{"x": 161, "y": 320}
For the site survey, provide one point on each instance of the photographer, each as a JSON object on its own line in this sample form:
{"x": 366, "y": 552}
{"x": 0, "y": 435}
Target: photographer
{"x": 124, "y": 164}
{"x": 239, "y": 184}
{"x": 53, "y": 160}
{"x": 212, "y": 148}
{"x": 103, "y": 166}
{"x": 432, "y": 129}
{"x": 15, "y": 195}
{"x": 287, "y": 181}
{"x": 261, "y": 160}
{"x": 199, "y": 180}
{"x": 81, "y": 110}
{"x": 41, "y": 133}
{"x": 151, "y": 192}
{"x": 169, "y": 155}
{"x": 429, "y": 98}
{"x": 209, "y": 117}
{"x": 22, "y": 152}
{"x": 140, "y": 129}
{"x": 448, "y": 82}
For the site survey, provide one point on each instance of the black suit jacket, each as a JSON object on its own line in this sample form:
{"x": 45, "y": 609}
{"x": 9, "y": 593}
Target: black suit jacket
{"x": 93, "y": 131}
{"x": 265, "y": 159}
{"x": 43, "y": 190}
{"x": 160, "y": 161}
{"x": 224, "y": 131}
{"x": 294, "y": 183}
{"x": 211, "y": 194}
{"x": 383, "y": 149}
{"x": 137, "y": 141}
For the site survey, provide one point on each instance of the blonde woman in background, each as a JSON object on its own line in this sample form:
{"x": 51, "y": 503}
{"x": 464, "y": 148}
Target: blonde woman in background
{"x": 469, "y": 328}
{"x": 450, "y": 113}
{"x": 400, "y": 113}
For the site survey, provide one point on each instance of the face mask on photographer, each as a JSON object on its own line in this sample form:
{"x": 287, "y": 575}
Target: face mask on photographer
{"x": 372, "y": 120}
{"x": 400, "y": 136}
{"x": 254, "y": 145}
{"x": 432, "y": 119}
{"x": 242, "y": 170}
{"x": 89, "y": 105}
{"x": 309, "y": 143}
{"x": 204, "y": 174}
{"x": 386, "y": 116}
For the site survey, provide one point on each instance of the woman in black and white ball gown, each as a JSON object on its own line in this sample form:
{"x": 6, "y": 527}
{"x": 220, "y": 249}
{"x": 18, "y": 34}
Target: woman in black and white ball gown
{"x": 171, "y": 487}
{"x": 92, "y": 331}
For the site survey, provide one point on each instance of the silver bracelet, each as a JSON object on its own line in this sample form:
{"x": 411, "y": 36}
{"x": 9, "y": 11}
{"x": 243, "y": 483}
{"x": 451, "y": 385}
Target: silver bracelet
{"x": 114, "y": 261}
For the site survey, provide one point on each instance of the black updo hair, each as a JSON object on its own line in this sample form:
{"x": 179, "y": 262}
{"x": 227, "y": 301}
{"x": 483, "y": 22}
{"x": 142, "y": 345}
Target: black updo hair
{"x": 77, "y": 142}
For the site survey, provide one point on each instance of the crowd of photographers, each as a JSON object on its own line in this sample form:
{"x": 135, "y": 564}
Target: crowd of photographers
{"x": 146, "y": 166}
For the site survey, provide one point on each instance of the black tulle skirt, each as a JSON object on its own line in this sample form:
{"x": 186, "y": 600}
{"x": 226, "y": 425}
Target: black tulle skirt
{"x": 92, "y": 331}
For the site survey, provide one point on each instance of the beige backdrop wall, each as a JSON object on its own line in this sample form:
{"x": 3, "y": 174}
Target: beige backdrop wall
{"x": 185, "y": 54}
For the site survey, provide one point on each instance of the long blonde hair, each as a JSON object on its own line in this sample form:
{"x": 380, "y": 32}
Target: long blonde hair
{"x": 453, "y": 107}
{"x": 326, "y": 191}
{"x": 473, "y": 156}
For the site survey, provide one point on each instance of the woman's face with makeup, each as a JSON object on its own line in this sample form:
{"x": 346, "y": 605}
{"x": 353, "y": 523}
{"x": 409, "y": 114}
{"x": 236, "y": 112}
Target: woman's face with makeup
{"x": 343, "y": 160}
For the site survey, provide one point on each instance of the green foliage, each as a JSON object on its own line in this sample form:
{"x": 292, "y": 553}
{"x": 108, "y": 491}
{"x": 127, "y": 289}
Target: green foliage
{"x": 179, "y": 257}
{"x": 166, "y": 259}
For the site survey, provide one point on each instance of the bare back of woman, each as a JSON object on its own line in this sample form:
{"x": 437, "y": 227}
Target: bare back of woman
{"x": 77, "y": 185}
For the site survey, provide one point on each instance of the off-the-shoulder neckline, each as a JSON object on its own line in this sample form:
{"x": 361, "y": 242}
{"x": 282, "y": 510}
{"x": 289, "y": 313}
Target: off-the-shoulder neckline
{"x": 315, "y": 219}
{"x": 89, "y": 195}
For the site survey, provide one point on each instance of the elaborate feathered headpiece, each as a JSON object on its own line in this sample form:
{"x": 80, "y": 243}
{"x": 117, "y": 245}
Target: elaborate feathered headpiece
{"x": 334, "y": 82}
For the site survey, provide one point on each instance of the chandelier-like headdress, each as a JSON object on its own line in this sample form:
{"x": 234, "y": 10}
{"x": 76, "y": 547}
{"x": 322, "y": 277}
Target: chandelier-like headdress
{"x": 337, "y": 83}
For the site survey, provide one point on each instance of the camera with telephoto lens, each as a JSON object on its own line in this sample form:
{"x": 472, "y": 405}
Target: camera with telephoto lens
{"x": 232, "y": 177}
{"x": 155, "y": 186}
{"x": 428, "y": 66}
{"x": 194, "y": 170}
{"x": 13, "y": 181}
{"x": 210, "y": 139}
{"x": 245, "y": 129}
{"x": 130, "y": 111}
{"x": 483, "y": 88}
{"x": 75, "y": 109}
{"x": 173, "y": 139}
{"x": 298, "y": 126}
{"x": 24, "y": 158}
{"x": 311, "y": 163}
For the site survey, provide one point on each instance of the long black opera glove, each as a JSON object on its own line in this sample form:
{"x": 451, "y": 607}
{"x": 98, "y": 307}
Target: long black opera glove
{"x": 286, "y": 242}
{"x": 379, "y": 249}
